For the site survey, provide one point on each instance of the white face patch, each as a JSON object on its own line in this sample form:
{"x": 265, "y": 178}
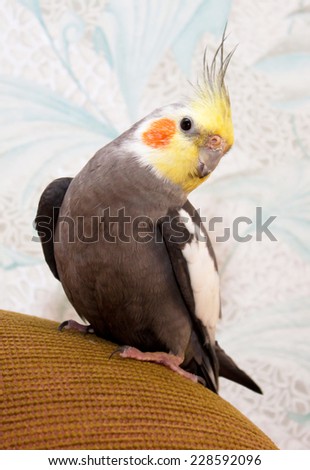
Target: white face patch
{"x": 203, "y": 276}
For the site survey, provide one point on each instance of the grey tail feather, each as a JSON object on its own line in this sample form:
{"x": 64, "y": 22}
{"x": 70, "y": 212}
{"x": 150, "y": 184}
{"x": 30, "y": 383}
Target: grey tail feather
{"x": 47, "y": 216}
{"x": 208, "y": 363}
{"x": 203, "y": 362}
{"x": 229, "y": 370}
{"x": 209, "y": 373}
{"x": 204, "y": 372}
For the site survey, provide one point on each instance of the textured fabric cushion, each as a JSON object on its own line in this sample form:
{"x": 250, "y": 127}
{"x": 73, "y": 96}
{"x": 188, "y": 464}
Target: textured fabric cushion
{"x": 61, "y": 391}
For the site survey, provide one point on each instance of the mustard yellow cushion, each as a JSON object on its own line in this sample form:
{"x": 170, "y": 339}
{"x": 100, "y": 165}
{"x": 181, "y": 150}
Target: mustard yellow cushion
{"x": 61, "y": 391}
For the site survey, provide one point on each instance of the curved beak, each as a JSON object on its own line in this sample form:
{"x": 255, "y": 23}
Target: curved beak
{"x": 210, "y": 155}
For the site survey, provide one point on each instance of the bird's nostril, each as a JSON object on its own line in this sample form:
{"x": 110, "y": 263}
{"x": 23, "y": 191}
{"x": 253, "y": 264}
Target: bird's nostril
{"x": 215, "y": 141}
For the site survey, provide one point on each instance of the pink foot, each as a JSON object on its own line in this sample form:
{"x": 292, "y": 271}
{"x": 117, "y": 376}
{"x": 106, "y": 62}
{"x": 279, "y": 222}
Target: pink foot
{"x": 169, "y": 360}
{"x": 75, "y": 326}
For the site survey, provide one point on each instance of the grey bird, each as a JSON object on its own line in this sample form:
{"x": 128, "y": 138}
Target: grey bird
{"x": 130, "y": 250}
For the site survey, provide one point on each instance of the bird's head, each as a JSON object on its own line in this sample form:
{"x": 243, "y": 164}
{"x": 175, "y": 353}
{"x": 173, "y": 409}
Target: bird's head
{"x": 184, "y": 143}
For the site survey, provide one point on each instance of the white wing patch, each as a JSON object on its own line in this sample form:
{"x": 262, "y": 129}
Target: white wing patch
{"x": 203, "y": 276}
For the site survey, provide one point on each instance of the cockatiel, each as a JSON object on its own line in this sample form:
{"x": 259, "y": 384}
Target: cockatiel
{"x": 131, "y": 251}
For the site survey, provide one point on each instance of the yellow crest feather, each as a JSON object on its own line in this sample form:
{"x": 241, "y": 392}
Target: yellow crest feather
{"x": 212, "y": 103}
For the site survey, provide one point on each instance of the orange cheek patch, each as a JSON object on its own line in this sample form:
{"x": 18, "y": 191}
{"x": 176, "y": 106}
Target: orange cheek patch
{"x": 159, "y": 133}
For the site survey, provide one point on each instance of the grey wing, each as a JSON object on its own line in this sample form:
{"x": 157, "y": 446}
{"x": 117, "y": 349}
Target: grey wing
{"x": 47, "y": 216}
{"x": 201, "y": 359}
{"x": 180, "y": 235}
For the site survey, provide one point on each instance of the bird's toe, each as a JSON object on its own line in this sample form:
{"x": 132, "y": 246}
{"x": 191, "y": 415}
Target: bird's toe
{"x": 169, "y": 360}
{"x": 75, "y": 326}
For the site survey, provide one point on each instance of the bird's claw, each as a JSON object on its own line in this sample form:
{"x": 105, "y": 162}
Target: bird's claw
{"x": 119, "y": 350}
{"x": 75, "y": 326}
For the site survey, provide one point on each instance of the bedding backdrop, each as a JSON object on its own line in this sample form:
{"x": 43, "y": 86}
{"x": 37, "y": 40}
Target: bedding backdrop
{"x": 76, "y": 73}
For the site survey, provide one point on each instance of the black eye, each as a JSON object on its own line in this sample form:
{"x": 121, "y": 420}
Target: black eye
{"x": 186, "y": 124}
